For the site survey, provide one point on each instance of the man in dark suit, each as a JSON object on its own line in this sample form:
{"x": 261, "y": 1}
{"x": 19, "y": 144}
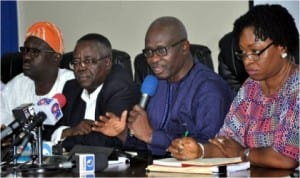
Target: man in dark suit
{"x": 99, "y": 87}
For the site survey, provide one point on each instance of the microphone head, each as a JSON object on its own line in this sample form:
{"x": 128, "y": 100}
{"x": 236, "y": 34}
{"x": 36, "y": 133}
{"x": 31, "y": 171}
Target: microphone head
{"x": 149, "y": 85}
{"x": 52, "y": 108}
{"x": 61, "y": 99}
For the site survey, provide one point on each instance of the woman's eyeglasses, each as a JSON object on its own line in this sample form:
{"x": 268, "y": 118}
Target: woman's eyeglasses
{"x": 253, "y": 56}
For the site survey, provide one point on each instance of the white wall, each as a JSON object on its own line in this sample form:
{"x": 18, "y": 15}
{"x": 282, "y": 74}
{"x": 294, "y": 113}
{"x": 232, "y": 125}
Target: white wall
{"x": 125, "y": 22}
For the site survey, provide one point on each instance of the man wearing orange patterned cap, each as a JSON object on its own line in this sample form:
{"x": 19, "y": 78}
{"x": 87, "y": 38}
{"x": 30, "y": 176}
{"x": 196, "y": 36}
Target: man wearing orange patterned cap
{"x": 49, "y": 33}
{"x": 42, "y": 52}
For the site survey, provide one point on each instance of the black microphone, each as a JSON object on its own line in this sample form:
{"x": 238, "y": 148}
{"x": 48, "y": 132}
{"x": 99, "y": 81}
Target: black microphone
{"x": 24, "y": 142}
{"x": 22, "y": 114}
{"x": 25, "y": 112}
{"x": 37, "y": 121}
{"x": 10, "y": 128}
{"x": 101, "y": 162}
{"x": 148, "y": 89}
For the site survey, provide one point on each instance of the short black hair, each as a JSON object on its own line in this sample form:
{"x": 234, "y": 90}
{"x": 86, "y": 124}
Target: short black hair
{"x": 271, "y": 21}
{"x": 98, "y": 38}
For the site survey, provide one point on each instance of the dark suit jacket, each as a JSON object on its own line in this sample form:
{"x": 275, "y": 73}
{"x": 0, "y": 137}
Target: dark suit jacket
{"x": 118, "y": 93}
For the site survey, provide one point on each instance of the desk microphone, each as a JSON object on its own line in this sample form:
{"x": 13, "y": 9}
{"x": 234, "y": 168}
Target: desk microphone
{"x": 48, "y": 111}
{"x": 24, "y": 142}
{"x": 51, "y": 107}
{"x": 37, "y": 121}
{"x": 22, "y": 114}
{"x": 148, "y": 89}
{"x": 11, "y": 128}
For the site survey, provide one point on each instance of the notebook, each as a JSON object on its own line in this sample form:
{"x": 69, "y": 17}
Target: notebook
{"x": 201, "y": 166}
{"x": 197, "y": 162}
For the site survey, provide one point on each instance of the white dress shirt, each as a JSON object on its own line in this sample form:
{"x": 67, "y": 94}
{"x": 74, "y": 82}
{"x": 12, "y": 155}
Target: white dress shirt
{"x": 90, "y": 100}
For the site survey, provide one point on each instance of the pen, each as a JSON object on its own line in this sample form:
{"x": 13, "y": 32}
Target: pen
{"x": 186, "y": 133}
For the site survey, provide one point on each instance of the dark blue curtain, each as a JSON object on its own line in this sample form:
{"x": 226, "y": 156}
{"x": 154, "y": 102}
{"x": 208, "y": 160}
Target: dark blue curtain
{"x": 9, "y": 27}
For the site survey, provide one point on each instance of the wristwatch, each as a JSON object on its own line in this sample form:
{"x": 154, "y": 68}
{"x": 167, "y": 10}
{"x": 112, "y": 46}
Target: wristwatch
{"x": 246, "y": 153}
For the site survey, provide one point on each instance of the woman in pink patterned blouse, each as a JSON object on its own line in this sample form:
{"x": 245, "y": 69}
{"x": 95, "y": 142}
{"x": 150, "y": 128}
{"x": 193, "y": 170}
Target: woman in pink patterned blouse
{"x": 262, "y": 125}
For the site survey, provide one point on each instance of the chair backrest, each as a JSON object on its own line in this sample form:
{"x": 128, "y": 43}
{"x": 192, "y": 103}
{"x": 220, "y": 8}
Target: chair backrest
{"x": 229, "y": 68}
{"x": 11, "y": 65}
{"x": 118, "y": 57}
{"x": 142, "y": 68}
{"x": 123, "y": 59}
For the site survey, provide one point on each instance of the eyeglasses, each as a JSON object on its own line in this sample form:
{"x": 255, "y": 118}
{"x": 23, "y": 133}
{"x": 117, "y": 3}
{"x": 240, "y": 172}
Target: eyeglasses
{"x": 161, "y": 50}
{"x": 86, "y": 62}
{"x": 253, "y": 56}
{"x": 34, "y": 52}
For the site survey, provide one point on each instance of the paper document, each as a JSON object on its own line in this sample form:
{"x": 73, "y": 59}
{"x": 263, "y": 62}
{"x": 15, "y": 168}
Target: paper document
{"x": 168, "y": 162}
{"x": 212, "y": 161}
{"x": 202, "y": 166}
{"x": 238, "y": 166}
{"x": 189, "y": 169}
{"x": 197, "y": 162}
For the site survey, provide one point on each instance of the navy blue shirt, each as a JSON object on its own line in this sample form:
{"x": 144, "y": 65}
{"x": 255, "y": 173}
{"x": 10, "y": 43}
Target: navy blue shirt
{"x": 197, "y": 103}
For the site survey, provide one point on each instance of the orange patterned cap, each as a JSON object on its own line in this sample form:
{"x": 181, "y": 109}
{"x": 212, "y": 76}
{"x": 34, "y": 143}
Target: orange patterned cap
{"x": 49, "y": 33}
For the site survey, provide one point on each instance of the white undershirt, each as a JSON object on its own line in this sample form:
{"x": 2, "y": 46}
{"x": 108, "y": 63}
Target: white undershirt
{"x": 90, "y": 100}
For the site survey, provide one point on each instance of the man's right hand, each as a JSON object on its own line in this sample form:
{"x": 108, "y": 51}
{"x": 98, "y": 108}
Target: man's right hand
{"x": 185, "y": 148}
{"x": 83, "y": 128}
{"x": 110, "y": 124}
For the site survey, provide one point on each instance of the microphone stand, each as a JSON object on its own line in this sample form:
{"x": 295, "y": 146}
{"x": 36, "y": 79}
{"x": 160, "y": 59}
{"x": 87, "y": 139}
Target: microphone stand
{"x": 36, "y": 169}
{"x": 40, "y": 146}
{"x": 14, "y": 150}
{"x": 36, "y": 166}
{"x": 37, "y": 149}
{"x": 15, "y": 158}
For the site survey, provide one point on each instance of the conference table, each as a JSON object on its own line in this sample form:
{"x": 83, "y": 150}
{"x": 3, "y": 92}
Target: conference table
{"x": 138, "y": 169}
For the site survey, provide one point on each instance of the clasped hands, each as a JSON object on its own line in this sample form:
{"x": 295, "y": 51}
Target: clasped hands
{"x": 187, "y": 148}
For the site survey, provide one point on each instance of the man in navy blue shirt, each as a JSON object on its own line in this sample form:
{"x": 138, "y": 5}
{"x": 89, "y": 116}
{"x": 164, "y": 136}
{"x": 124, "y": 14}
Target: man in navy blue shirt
{"x": 190, "y": 97}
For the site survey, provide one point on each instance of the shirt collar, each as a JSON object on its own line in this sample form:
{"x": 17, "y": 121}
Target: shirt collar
{"x": 92, "y": 96}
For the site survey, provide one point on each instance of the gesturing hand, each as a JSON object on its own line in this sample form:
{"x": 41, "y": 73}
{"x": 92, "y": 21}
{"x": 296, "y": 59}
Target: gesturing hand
{"x": 110, "y": 124}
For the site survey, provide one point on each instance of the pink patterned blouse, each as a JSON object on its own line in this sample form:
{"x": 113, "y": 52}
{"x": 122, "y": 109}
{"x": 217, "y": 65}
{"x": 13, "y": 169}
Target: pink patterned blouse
{"x": 255, "y": 120}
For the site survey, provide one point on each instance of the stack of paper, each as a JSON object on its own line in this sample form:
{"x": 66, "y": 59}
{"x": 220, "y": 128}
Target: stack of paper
{"x": 188, "y": 169}
{"x": 212, "y": 161}
{"x": 203, "y": 166}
